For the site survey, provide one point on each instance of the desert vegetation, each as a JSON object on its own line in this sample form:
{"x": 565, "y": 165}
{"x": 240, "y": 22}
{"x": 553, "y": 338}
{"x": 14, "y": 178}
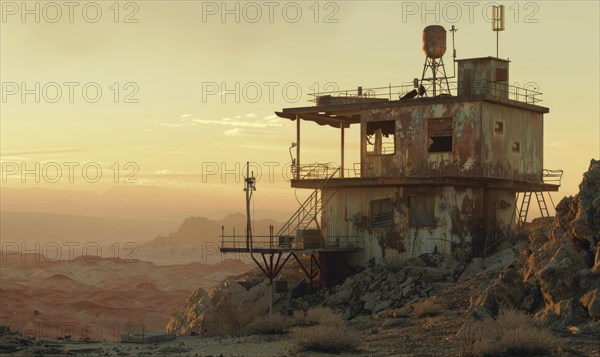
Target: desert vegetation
{"x": 270, "y": 324}
{"x": 331, "y": 333}
{"x": 427, "y": 308}
{"x": 511, "y": 333}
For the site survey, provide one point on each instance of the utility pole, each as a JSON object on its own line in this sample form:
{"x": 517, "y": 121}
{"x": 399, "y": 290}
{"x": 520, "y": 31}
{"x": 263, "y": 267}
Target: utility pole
{"x": 249, "y": 187}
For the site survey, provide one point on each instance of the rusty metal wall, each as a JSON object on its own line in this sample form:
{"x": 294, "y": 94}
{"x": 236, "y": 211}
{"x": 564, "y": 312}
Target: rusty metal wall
{"x": 478, "y": 149}
{"x": 411, "y": 156}
{"x": 524, "y": 127}
{"x": 473, "y": 72}
{"x": 460, "y": 215}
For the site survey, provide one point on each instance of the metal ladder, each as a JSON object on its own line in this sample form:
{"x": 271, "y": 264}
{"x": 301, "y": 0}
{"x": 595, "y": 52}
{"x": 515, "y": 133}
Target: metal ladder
{"x": 524, "y": 210}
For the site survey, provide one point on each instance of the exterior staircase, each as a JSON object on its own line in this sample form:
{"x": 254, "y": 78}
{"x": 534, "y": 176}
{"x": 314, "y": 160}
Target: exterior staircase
{"x": 307, "y": 214}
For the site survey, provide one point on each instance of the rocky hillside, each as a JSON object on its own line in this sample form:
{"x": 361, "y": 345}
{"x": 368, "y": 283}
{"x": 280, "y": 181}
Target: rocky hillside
{"x": 237, "y": 301}
{"x": 556, "y": 276}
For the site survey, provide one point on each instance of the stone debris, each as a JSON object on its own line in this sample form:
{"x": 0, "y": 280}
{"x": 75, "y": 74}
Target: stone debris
{"x": 376, "y": 289}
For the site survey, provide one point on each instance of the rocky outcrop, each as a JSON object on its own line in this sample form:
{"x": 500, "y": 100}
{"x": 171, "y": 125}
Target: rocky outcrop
{"x": 224, "y": 309}
{"x": 557, "y": 274}
{"x": 230, "y": 306}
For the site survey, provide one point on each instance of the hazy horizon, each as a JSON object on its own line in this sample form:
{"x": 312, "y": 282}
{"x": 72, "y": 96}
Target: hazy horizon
{"x": 183, "y": 120}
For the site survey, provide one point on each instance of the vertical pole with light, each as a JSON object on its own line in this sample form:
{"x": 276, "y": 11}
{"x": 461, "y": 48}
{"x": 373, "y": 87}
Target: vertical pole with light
{"x": 249, "y": 187}
{"x": 498, "y": 24}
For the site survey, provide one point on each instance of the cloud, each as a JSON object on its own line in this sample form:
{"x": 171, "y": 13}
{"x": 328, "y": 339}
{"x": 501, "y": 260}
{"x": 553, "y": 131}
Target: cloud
{"x": 238, "y": 121}
{"x": 233, "y": 132}
{"x": 41, "y": 151}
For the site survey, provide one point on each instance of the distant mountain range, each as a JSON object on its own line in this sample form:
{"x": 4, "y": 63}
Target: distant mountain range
{"x": 123, "y": 213}
{"x": 200, "y": 229}
{"x": 50, "y": 227}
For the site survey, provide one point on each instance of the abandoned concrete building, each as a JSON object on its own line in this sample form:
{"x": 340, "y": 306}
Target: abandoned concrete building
{"x": 447, "y": 164}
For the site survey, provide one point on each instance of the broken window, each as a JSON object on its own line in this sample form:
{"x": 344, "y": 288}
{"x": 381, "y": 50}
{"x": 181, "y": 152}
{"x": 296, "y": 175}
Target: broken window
{"x": 381, "y": 137}
{"x": 382, "y": 213}
{"x": 440, "y": 135}
{"x": 421, "y": 211}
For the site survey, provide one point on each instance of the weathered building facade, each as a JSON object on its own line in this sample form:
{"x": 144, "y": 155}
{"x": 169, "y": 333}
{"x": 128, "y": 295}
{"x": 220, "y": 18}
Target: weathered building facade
{"x": 442, "y": 166}
{"x": 436, "y": 174}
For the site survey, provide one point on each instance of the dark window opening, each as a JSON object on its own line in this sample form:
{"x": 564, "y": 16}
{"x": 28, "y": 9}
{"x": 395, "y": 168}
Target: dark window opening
{"x": 382, "y": 213}
{"x": 421, "y": 211}
{"x": 381, "y": 137}
{"x": 440, "y": 135}
{"x": 501, "y": 74}
{"x": 516, "y": 146}
{"x": 499, "y": 127}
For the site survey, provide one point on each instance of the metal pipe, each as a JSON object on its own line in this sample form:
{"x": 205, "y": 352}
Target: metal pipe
{"x": 297, "y": 147}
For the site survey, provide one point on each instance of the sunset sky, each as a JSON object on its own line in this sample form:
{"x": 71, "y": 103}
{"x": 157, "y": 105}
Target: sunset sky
{"x": 174, "y": 61}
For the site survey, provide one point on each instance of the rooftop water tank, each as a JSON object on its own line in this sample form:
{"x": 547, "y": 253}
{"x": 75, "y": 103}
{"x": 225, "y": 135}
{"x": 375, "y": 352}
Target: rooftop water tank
{"x": 434, "y": 41}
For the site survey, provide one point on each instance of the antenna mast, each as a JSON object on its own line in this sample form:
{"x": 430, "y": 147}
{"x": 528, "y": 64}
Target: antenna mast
{"x": 498, "y": 24}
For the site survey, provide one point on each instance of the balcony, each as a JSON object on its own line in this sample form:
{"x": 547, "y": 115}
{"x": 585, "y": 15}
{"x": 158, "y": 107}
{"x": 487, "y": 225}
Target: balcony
{"x": 530, "y": 178}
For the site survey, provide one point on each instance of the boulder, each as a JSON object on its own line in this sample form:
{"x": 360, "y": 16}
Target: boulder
{"x": 591, "y": 301}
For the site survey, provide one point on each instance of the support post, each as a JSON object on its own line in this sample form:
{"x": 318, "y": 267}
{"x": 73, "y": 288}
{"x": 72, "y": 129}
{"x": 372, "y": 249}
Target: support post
{"x": 342, "y": 149}
{"x": 297, "y": 147}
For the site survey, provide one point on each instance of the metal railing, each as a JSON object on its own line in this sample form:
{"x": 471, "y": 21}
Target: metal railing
{"x": 318, "y": 171}
{"x": 444, "y": 169}
{"x": 476, "y": 89}
{"x": 552, "y": 177}
{"x": 273, "y": 242}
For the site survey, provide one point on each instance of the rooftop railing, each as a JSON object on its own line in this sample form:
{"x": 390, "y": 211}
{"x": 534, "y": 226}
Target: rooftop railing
{"x": 477, "y": 89}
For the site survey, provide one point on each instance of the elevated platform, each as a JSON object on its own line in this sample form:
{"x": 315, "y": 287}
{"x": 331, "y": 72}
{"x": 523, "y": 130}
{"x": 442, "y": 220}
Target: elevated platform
{"x": 226, "y": 249}
{"x": 484, "y": 182}
{"x": 289, "y": 244}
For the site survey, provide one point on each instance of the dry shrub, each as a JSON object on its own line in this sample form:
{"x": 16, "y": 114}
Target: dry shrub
{"x": 403, "y": 311}
{"x": 512, "y": 333}
{"x": 395, "y": 265}
{"x": 270, "y": 324}
{"x": 427, "y": 308}
{"x": 313, "y": 316}
{"x": 331, "y": 335}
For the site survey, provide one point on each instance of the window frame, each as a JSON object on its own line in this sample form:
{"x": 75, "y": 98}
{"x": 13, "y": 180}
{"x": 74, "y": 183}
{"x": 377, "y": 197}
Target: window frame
{"x": 431, "y": 123}
{"x": 380, "y": 151}
{"x": 383, "y": 219}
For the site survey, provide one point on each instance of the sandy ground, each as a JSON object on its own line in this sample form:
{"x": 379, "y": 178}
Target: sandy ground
{"x": 410, "y": 336}
{"x": 98, "y": 298}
